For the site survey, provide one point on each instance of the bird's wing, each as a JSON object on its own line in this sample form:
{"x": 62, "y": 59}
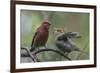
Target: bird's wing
{"x": 34, "y": 38}
{"x": 63, "y": 46}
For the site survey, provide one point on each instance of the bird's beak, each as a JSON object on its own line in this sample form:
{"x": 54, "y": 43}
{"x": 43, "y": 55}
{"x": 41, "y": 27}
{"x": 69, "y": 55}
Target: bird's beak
{"x": 49, "y": 24}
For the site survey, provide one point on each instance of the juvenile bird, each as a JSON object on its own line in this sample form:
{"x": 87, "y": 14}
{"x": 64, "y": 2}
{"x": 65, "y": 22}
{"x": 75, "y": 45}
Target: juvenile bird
{"x": 41, "y": 36}
{"x": 64, "y": 41}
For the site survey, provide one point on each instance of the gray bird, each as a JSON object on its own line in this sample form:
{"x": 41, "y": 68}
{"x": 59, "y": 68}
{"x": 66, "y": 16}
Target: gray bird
{"x": 64, "y": 41}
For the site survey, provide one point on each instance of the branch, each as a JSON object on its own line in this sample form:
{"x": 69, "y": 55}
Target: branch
{"x": 24, "y": 52}
{"x": 56, "y": 51}
{"x": 29, "y": 54}
{"x": 42, "y": 50}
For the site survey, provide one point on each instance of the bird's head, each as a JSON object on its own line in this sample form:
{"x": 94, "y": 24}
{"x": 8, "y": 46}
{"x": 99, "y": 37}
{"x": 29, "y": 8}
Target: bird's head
{"x": 46, "y": 25}
{"x": 58, "y": 31}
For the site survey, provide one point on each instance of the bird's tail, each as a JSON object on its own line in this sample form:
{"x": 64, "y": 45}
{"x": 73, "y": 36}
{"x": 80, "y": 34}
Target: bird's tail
{"x": 32, "y": 48}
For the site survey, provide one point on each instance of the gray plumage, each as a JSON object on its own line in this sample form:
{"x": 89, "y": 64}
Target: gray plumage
{"x": 64, "y": 42}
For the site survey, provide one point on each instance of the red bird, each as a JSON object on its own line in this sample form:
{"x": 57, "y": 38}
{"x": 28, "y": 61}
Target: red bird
{"x": 41, "y": 36}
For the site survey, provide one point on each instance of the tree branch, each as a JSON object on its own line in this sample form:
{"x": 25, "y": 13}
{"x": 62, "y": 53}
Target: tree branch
{"x": 43, "y": 50}
{"x": 29, "y": 54}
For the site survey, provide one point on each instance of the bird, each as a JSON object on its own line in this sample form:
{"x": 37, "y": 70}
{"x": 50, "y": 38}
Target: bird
{"x": 41, "y": 36}
{"x": 64, "y": 41}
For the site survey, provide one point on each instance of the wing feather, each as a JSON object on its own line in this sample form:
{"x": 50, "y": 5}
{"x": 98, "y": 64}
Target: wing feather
{"x": 34, "y": 38}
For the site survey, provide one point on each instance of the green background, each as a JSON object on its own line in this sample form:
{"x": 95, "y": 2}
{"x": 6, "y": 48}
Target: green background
{"x": 69, "y": 21}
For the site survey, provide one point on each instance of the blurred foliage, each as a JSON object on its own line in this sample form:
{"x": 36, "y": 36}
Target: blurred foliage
{"x": 69, "y": 21}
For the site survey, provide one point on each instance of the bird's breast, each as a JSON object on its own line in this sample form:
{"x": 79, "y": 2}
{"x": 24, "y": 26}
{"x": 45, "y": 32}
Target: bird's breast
{"x": 44, "y": 35}
{"x": 41, "y": 38}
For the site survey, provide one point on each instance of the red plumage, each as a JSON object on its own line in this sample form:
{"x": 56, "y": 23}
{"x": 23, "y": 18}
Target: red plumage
{"x": 41, "y": 36}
